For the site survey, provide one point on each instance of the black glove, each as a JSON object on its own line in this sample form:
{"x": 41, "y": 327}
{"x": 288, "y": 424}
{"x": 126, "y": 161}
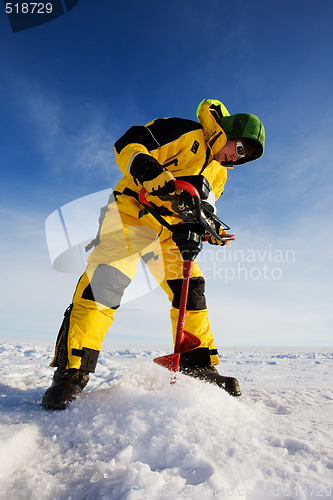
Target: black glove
{"x": 221, "y": 232}
{"x": 150, "y": 174}
{"x": 188, "y": 236}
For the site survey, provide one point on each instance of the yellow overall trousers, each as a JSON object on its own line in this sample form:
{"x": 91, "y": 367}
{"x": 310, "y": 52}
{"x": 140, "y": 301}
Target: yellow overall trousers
{"x": 126, "y": 235}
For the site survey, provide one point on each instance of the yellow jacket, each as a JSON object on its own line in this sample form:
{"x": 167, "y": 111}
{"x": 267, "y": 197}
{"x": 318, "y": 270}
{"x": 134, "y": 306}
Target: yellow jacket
{"x": 184, "y": 147}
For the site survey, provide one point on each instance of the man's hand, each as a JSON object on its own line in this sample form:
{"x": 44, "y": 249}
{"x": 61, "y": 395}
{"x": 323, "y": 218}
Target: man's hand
{"x": 150, "y": 174}
{"x": 222, "y": 233}
{"x": 164, "y": 183}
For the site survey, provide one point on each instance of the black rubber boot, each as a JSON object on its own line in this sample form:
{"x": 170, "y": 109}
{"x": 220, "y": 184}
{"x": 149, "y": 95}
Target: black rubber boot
{"x": 67, "y": 384}
{"x": 196, "y": 363}
{"x": 211, "y": 375}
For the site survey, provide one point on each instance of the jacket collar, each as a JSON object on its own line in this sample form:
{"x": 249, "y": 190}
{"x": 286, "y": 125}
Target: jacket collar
{"x": 214, "y": 135}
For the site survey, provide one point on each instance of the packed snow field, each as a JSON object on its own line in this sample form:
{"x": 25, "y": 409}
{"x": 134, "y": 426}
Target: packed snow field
{"x": 132, "y": 435}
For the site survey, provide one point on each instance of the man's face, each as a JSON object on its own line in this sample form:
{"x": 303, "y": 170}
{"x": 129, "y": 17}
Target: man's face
{"x": 228, "y": 153}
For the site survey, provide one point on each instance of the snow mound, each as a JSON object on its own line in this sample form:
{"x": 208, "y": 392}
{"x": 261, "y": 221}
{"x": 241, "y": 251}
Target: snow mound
{"x": 132, "y": 435}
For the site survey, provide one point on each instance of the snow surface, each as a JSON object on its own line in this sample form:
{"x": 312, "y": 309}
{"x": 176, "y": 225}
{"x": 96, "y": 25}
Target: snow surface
{"x": 132, "y": 435}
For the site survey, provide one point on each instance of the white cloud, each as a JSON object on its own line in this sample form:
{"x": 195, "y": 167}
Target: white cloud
{"x": 92, "y": 148}
{"x": 71, "y": 135}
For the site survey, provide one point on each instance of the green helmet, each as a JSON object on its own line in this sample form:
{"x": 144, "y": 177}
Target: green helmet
{"x": 248, "y": 127}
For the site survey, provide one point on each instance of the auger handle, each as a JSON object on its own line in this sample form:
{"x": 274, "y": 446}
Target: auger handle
{"x": 179, "y": 184}
{"x": 189, "y": 188}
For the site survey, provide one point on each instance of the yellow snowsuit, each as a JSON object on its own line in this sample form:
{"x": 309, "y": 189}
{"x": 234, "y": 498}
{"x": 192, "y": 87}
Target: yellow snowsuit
{"x": 128, "y": 233}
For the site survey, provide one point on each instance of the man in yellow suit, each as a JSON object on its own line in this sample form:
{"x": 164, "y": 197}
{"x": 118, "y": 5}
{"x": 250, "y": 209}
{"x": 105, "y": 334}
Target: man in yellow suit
{"x": 152, "y": 157}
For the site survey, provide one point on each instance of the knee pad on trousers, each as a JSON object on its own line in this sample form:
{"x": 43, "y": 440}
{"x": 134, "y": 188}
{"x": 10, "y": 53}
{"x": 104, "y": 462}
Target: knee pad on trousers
{"x": 107, "y": 286}
{"x": 196, "y": 300}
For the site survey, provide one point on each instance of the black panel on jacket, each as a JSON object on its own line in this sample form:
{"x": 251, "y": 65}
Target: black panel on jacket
{"x": 167, "y": 130}
{"x": 136, "y": 134}
{"x": 157, "y": 134}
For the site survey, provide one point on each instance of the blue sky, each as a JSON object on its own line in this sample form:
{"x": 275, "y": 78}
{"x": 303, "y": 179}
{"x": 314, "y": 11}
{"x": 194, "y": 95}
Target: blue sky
{"x": 71, "y": 87}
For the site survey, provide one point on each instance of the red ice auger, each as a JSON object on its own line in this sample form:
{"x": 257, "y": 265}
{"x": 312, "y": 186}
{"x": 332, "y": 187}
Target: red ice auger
{"x": 199, "y": 224}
